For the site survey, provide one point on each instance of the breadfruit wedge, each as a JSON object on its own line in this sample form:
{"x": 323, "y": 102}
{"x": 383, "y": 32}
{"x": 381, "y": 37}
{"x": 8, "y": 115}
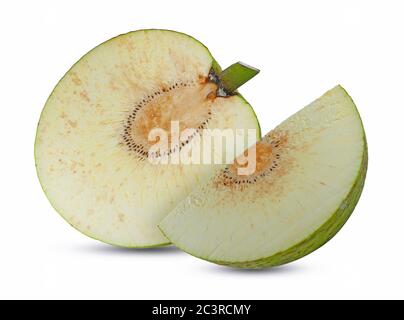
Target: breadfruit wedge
{"x": 92, "y": 146}
{"x": 308, "y": 177}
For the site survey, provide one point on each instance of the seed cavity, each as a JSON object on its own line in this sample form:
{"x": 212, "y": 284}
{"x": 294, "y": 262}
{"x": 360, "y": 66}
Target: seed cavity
{"x": 268, "y": 163}
{"x": 155, "y": 109}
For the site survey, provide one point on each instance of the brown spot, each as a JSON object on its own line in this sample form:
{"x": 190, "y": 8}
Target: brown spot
{"x": 202, "y": 79}
{"x": 75, "y": 79}
{"x": 211, "y": 95}
{"x": 73, "y": 124}
{"x": 121, "y": 217}
{"x": 84, "y": 95}
{"x": 323, "y": 183}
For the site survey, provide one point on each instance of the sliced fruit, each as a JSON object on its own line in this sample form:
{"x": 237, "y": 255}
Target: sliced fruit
{"x": 308, "y": 177}
{"x": 92, "y": 145}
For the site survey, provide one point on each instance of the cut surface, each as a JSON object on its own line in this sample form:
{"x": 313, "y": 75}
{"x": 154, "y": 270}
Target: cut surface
{"x": 309, "y": 175}
{"x": 92, "y": 143}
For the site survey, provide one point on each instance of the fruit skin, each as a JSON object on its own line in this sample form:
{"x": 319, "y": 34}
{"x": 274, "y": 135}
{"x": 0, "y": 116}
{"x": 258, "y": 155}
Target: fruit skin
{"x": 323, "y": 234}
{"x": 215, "y": 66}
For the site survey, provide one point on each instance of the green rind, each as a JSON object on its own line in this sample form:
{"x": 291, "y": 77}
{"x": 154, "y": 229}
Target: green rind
{"x": 215, "y": 67}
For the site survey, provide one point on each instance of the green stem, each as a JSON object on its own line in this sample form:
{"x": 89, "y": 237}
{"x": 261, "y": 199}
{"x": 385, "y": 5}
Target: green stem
{"x": 236, "y": 75}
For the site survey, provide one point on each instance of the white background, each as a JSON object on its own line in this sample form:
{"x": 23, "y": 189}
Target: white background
{"x": 303, "y": 48}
